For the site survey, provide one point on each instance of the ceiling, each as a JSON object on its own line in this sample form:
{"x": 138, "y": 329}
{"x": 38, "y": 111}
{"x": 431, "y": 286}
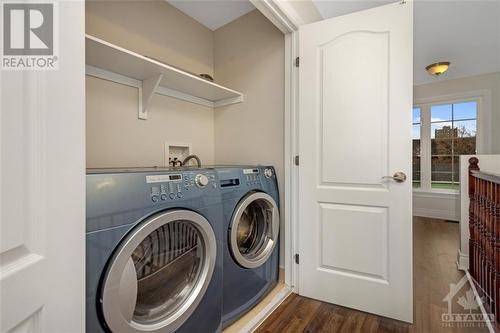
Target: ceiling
{"x": 332, "y": 8}
{"x": 466, "y": 33}
{"x": 213, "y": 13}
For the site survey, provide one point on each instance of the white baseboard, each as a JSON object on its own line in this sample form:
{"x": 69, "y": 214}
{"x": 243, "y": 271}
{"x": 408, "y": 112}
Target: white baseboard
{"x": 462, "y": 261}
{"x": 437, "y": 204}
{"x": 435, "y": 214}
{"x": 253, "y": 324}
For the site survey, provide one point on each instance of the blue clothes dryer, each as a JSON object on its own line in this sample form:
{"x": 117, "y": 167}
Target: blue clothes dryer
{"x": 154, "y": 251}
{"x": 251, "y": 244}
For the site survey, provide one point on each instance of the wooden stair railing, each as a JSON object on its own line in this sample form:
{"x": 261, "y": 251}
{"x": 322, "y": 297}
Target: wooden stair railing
{"x": 484, "y": 242}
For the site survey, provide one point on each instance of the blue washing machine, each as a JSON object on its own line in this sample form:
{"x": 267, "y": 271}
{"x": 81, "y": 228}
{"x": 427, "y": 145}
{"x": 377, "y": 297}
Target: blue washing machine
{"x": 154, "y": 251}
{"x": 251, "y": 244}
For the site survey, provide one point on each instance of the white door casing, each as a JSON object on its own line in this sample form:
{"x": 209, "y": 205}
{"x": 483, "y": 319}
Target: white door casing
{"x": 42, "y": 200}
{"x": 355, "y": 232}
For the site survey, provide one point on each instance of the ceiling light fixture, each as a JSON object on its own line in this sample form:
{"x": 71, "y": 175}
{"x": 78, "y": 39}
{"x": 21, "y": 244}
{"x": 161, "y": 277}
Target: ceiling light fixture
{"x": 438, "y": 68}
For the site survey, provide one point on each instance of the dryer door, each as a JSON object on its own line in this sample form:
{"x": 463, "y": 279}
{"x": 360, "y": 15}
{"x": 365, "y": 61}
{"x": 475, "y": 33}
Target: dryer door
{"x": 254, "y": 229}
{"x": 159, "y": 274}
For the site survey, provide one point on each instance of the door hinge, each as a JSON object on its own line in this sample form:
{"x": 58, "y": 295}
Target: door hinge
{"x": 297, "y": 62}
{"x": 296, "y": 160}
{"x": 297, "y": 258}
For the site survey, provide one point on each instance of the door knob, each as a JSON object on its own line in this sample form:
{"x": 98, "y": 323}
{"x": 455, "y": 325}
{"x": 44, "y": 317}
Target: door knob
{"x": 398, "y": 176}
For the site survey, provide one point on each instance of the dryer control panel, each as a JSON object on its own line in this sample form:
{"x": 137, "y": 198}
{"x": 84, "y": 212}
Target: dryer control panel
{"x": 167, "y": 187}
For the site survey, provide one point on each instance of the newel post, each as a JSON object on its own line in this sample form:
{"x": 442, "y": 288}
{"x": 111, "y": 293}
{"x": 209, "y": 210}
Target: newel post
{"x": 473, "y": 166}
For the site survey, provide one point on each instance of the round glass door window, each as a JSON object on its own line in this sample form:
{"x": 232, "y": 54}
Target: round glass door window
{"x": 254, "y": 229}
{"x": 159, "y": 274}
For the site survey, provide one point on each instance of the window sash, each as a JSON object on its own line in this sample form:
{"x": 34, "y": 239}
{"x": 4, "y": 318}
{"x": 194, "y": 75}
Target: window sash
{"x": 426, "y": 155}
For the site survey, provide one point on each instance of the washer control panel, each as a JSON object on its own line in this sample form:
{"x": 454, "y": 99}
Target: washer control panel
{"x": 252, "y": 176}
{"x": 268, "y": 173}
{"x": 168, "y": 187}
{"x": 201, "y": 180}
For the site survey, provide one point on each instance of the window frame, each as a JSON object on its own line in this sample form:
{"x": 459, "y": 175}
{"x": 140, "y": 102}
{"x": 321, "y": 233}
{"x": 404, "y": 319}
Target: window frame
{"x": 420, "y": 138}
{"x": 483, "y": 131}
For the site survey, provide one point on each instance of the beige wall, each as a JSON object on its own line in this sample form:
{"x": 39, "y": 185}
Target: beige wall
{"x": 249, "y": 57}
{"x": 155, "y": 29}
{"x": 473, "y": 83}
{"x": 115, "y": 137}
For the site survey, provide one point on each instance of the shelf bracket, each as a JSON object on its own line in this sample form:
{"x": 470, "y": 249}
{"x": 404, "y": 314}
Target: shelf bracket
{"x": 146, "y": 92}
{"x": 229, "y": 101}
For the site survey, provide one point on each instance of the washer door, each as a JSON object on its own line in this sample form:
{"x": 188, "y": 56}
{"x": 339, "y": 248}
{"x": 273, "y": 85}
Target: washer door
{"x": 160, "y": 273}
{"x": 254, "y": 229}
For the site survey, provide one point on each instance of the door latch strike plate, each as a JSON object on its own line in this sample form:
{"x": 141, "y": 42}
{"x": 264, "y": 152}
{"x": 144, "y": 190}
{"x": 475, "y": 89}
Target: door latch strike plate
{"x": 297, "y": 258}
{"x": 296, "y": 160}
{"x": 297, "y": 62}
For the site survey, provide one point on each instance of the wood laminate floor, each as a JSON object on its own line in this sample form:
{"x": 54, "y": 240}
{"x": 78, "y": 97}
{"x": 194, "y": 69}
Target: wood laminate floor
{"x": 435, "y": 245}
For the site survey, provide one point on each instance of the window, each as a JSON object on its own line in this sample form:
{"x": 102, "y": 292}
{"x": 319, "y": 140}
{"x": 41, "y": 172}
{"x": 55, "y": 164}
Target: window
{"x": 441, "y": 133}
{"x": 416, "y": 146}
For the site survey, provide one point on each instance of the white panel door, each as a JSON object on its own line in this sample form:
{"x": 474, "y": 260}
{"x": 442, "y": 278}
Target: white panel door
{"x": 42, "y": 198}
{"x": 355, "y": 233}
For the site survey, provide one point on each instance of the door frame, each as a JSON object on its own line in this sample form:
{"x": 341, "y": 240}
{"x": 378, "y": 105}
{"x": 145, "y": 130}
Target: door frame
{"x": 288, "y": 24}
